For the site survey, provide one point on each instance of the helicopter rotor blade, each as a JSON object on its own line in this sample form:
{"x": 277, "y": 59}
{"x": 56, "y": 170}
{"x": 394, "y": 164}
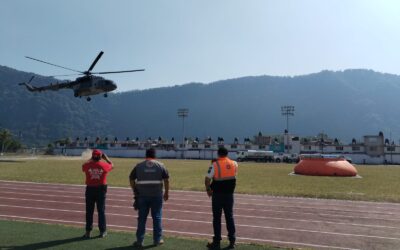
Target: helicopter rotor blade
{"x": 114, "y": 72}
{"x": 53, "y": 64}
{"x": 95, "y": 61}
{"x": 31, "y": 79}
{"x": 68, "y": 75}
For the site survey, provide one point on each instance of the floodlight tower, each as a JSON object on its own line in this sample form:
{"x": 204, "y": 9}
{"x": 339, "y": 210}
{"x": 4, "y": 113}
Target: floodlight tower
{"x": 183, "y": 113}
{"x": 287, "y": 111}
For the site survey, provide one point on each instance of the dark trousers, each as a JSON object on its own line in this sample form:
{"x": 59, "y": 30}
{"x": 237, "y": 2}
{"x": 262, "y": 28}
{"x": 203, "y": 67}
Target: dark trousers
{"x": 146, "y": 204}
{"x": 224, "y": 202}
{"x": 96, "y": 196}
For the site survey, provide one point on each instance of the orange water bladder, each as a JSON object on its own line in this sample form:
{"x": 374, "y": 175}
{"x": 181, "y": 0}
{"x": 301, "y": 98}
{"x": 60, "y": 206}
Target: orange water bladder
{"x": 320, "y": 165}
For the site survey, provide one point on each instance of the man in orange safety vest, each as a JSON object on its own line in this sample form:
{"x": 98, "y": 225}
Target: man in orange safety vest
{"x": 220, "y": 183}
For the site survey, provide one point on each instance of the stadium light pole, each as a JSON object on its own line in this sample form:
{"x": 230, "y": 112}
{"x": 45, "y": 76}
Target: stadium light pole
{"x": 183, "y": 113}
{"x": 287, "y": 111}
{"x": 391, "y": 146}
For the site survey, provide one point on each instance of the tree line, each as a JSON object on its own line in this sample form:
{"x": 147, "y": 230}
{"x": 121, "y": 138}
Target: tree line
{"x": 7, "y": 141}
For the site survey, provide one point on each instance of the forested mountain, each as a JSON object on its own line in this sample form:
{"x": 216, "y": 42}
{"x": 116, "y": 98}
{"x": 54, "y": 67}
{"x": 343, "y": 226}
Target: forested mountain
{"x": 47, "y": 116}
{"x": 345, "y": 104}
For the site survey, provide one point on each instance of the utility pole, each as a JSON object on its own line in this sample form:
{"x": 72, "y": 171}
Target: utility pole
{"x": 183, "y": 113}
{"x": 287, "y": 111}
{"x": 391, "y": 146}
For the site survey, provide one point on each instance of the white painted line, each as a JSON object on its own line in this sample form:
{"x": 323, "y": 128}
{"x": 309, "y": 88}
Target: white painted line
{"x": 43, "y": 183}
{"x": 369, "y": 211}
{"x": 198, "y": 200}
{"x": 356, "y": 216}
{"x": 191, "y": 200}
{"x": 245, "y": 209}
{"x": 186, "y": 233}
{"x": 165, "y": 209}
{"x": 301, "y": 244}
{"x": 81, "y": 194}
{"x": 236, "y": 209}
{"x": 208, "y": 222}
{"x": 281, "y": 198}
{"x": 286, "y": 219}
{"x": 41, "y": 219}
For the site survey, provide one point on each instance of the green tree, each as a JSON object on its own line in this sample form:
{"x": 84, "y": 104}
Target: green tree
{"x": 5, "y": 139}
{"x": 50, "y": 149}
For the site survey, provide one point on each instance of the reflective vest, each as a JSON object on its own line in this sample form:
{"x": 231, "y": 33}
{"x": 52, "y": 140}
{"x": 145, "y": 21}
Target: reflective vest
{"x": 224, "y": 169}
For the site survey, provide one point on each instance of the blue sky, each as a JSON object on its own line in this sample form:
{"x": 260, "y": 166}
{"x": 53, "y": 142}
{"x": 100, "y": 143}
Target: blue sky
{"x": 181, "y": 41}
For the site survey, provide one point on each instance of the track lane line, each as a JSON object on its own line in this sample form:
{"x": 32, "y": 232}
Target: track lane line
{"x": 236, "y": 209}
{"x": 286, "y": 199}
{"x": 210, "y": 214}
{"x": 194, "y": 194}
{"x": 191, "y": 200}
{"x": 208, "y": 222}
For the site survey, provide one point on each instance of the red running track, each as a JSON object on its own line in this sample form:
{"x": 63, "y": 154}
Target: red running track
{"x": 278, "y": 221}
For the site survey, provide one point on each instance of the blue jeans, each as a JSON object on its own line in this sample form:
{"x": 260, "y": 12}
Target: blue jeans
{"x": 224, "y": 202}
{"x": 145, "y": 204}
{"x": 96, "y": 196}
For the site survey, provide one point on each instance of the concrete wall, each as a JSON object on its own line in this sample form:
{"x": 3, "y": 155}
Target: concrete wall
{"x": 140, "y": 153}
{"x": 208, "y": 154}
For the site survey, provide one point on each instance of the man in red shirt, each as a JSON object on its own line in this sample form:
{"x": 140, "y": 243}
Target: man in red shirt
{"x": 96, "y": 188}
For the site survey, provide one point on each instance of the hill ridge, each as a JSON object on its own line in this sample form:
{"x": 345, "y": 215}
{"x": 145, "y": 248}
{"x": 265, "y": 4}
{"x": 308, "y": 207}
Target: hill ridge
{"x": 344, "y": 104}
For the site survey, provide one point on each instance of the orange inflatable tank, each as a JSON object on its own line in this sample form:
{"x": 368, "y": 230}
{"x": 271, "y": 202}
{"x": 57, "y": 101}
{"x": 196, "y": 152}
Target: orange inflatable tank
{"x": 324, "y": 165}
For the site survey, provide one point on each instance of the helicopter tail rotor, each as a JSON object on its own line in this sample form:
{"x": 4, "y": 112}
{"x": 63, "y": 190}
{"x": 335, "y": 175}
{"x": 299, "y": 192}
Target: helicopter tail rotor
{"x": 28, "y": 85}
{"x": 30, "y": 80}
{"x": 24, "y": 83}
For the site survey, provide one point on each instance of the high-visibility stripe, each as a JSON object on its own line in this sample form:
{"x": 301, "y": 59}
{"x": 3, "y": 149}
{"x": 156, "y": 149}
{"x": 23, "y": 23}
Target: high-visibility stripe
{"x": 219, "y": 170}
{"x": 148, "y": 182}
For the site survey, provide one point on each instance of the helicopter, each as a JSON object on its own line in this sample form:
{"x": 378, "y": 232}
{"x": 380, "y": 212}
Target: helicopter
{"x": 87, "y": 85}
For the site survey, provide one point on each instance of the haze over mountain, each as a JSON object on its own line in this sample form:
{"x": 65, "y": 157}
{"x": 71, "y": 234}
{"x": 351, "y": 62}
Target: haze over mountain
{"x": 345, "y": 104}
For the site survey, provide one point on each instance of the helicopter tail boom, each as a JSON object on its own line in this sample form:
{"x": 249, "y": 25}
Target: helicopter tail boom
{"x": 29, "y": 86}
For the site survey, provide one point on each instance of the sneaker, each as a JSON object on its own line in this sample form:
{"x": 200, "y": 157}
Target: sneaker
{"x": 103, "y": 234}
{"x": 158, "y": 243}
{"x": 213, "y": 245}
{"x": 232, "y": 245}
{"x": 137, "y": 245}
{"x": 86, "y": 235}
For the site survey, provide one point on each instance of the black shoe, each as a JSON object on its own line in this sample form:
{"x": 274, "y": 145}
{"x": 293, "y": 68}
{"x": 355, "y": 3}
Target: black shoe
{"x": 103, "y": 234}
{"x": 137, "y": 245}
{"x": 232, "y": 245}
{"x": 213, "y": 245}
{"x": 86, "y": 235}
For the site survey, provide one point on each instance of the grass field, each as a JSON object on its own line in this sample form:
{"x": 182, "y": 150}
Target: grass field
{"x": 378, "y": 183}
{"x": 25, "y": 235}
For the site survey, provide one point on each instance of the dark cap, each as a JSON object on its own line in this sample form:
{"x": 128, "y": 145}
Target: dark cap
{"x": 222, "y": 152}
{"x": 151, "y": 153}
